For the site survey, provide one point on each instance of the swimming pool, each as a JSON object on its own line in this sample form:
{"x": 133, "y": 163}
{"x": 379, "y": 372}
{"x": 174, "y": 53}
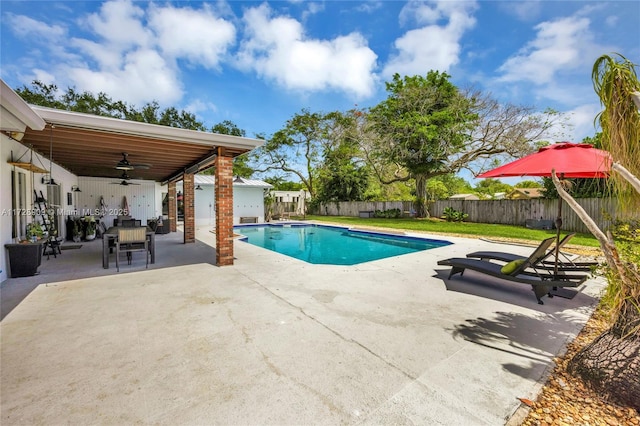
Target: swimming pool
{"x": 332, "y": 245}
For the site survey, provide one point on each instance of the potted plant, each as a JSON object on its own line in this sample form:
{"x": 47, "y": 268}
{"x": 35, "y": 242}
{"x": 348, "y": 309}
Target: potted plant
{"x": 77, "y": 230}
{"x": 91, "y": 229}
{"x": 34, "y": 231}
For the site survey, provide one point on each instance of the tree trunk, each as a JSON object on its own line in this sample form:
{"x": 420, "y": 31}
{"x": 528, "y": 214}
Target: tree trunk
{"x": 421, "y": 196}
{"x": 611, "y": 364}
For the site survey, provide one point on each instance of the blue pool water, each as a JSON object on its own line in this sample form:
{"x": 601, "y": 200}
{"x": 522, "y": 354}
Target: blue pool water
{"x": 331, "y": 245}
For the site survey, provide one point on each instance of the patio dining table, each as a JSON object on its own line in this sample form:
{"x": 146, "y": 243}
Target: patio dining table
{"x": 112, "y": 234}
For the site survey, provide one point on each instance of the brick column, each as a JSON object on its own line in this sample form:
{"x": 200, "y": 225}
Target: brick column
{"x": 189, "y": 210}
{"x": 224, "y": 209}
{"x": 173, "y": 208}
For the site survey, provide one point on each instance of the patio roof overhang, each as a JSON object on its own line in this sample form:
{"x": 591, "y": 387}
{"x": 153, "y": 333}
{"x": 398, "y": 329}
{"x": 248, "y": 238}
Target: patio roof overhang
{"x": 91, "y": 145}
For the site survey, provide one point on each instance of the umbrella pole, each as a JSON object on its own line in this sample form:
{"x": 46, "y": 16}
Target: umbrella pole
{"x": 558, "y": 228}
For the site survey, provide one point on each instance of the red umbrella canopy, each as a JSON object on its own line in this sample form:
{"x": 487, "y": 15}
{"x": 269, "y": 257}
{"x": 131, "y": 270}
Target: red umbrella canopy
{"x": 571, "y": 160}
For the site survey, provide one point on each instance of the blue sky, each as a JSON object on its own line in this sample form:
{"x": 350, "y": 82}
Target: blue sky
{"x": 258, "y": 63}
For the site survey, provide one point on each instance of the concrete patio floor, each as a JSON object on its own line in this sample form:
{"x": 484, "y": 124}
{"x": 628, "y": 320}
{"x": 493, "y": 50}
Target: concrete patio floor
{"x": 274, "y": 340}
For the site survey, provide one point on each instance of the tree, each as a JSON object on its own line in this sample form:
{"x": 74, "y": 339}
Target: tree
{"x": 611, "y": 363}
{"x": 341, "y": 178}
{"x": 528, "y": 184}
{"x": 419, "y": 125}
{"x": 455, "y": 184}
{"x": 299, "y": 148}
{"x": 427, "y": 128}
{"x": 241, "y": 166}
{"x": 580, "y": 187}
{"x": 487, "y": 188}
{"x": 437, "y": 190}
{"x": 101, "y": 104}
{"x": 279, "y": 184}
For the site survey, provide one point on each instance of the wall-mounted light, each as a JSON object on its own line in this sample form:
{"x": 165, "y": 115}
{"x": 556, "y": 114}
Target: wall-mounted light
{"x": 75, "y": 188}
{"x": 48, "y": 180}
{"x": 199, "y": 188}
{"x": 16, "y": 136}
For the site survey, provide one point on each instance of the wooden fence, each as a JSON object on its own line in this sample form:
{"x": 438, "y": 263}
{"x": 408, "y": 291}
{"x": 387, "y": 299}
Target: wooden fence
{"x": 353, "y": 208}
{"x": 508, "y": 212}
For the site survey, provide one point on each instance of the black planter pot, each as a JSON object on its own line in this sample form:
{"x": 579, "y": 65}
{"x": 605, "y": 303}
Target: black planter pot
{"x": 24, "y": 259}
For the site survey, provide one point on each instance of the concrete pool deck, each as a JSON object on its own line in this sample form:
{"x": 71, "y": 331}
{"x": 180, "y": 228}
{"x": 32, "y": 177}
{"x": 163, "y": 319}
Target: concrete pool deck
{"x": 274, "y": 340}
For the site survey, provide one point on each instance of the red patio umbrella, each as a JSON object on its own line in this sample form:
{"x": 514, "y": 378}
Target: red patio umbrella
{"x": 569, "y": 160}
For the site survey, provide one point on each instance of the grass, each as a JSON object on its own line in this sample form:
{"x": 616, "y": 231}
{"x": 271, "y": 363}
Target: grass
{"x": 462, "y": 228}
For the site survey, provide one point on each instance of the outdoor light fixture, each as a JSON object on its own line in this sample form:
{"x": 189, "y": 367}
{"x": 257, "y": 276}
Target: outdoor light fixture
{"x": 75, "y": 188}
{"x": 199, "y": 188}
{"x": 48, "y": 180}
{"x": 16, "y": 136}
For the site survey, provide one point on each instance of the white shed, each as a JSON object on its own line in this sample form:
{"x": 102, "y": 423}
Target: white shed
{"x": 248, "y": 199}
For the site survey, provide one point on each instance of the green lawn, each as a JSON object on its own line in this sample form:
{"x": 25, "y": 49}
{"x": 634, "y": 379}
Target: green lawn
{"x": 463, "y": 228}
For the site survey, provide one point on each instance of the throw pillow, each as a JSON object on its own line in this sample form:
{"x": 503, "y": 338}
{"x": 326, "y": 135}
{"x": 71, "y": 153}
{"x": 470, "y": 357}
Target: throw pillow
{"x": 511, "y": 267}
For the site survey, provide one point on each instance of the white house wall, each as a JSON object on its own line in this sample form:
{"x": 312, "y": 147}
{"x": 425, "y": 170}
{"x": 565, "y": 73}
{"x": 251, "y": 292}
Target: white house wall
{"x": 62, "y": 176}
{"x": 247, "y": 202}
{"x": 160, "y": 191}
{"x": 141, "y": 199}
{"x": 205, "y": 210}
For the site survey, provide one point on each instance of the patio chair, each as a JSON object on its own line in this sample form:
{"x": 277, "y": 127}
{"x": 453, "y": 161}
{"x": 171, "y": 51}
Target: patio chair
{"x": 547, "y": 262}
{"x": 522, "y": 271}
{"x": 131, "y": 223}
{"x": 131, "y": 240}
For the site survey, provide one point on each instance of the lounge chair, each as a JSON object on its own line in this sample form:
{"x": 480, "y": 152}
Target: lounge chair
{"x": 521, "y": 271}
{"x": 546, "y": 263}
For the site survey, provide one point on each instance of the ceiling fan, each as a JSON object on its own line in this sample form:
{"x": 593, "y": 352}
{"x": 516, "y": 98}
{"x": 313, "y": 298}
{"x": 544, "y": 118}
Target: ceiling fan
{"x": 124, "y": 164}
{"x": 125, "y": 180}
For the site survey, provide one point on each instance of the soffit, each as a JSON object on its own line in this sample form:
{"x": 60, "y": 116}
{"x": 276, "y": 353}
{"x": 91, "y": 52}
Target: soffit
{"x": 89, "y": 145}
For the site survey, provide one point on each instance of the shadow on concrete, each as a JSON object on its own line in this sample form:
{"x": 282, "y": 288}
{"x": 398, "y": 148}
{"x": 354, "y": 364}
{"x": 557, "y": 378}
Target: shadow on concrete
{"x": 477, "y": 284}
{"x": 535, "y": 339}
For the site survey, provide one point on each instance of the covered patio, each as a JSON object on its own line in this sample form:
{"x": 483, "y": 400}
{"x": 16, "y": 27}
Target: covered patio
{"x": 43, "y": 146}
{"x": 89, "y": 145}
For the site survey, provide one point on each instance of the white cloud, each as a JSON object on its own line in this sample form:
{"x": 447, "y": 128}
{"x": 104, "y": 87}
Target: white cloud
{"x": 23, "y": 26}
{"x": 106, "y": 58}
{"x": 119, "y": 24}
{"x": 432, "y": 46}
{"x": 197, "y": 35}
{"x": 198, "y": 106}
{"x": 369, "y": 6}
{"x": 559, "y": 47}
{"x": 277, "y": 48}
{"x": 44, "y": 77}
{"x": 142, "y": 77}
{"x": 523, "y": 10}
{"x": 612, "y": 21}
{"x": 312, "y": 9}
{"x": 133, "y": 55}
{"x": 581, "y": 119}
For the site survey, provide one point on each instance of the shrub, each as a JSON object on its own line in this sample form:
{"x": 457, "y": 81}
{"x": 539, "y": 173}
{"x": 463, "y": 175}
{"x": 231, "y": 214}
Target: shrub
{"x": 453, "y": 215}
{"x": 388, "y": 214}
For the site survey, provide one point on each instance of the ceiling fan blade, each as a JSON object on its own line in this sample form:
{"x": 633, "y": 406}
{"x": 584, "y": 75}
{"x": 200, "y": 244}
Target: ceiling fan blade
{"x": 125, "y": 165}
{"x": 124, "y": 183}
{"x": 141, "y": 166}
